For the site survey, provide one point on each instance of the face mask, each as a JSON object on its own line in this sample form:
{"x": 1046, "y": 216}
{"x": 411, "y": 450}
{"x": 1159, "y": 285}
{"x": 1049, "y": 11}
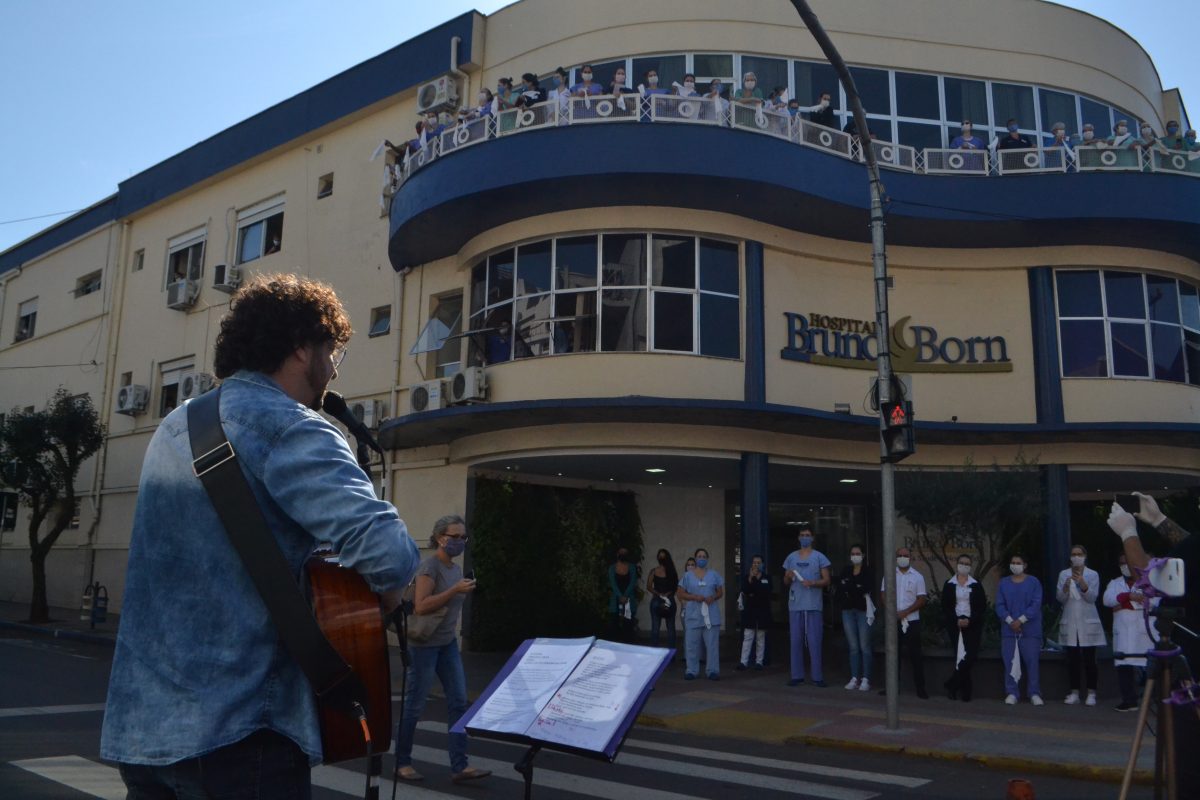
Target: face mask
{"x": 1172, "y": 130}
{"x": 715, "y": 88}
{"x": 652, "y": 80}
{"x": 964, "y": 569}
{"x": 701, "y": 562}
{"x": 756, "y": 567}
{"x": 689, "y": 84}
{"x": 455, "y": 547}
{"x": 902, "y": 562}
{"x": 587, "y": 76}
{"x": 1089, "y": 135}
{"x": 1077, "y": 561}
{"x": 689, "y": 567}
{"x": 620, "y": 80}
{"x": 558, "y": 80}
{"x": 482, "y": 98}
{"x": 662, "y": 559}
{"x": 806, "y": 541}
{"x": 856, "y": 560}
{"x": 1125, "y": 570}
{"x": 966, "y": 130}
{"x": 1121, "y": 130}
{"x": 1017, "y": 569}
{"x": 750, "y": 84}
{"x": 1060, "y": 133}
{"x": 824, "y": 103}
{"x": 1191, "y": 140}
{"x": 1147, "y": 133}
{"x": 1012, "y": 128}
{"x": 501, "y": 89}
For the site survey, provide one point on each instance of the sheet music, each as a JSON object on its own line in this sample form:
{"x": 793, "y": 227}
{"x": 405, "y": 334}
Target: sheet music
{"x": 515, "y": 704}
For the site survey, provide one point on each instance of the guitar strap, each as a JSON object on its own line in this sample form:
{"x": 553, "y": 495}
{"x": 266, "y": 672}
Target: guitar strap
{"x": 216, "y": 465}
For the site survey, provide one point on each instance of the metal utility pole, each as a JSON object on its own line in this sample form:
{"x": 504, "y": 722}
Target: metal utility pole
{"x": 883, "y": 362}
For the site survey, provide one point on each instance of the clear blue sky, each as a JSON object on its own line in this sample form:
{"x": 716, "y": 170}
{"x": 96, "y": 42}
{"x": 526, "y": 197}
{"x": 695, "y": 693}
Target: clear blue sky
{"x": 93, "y": 92}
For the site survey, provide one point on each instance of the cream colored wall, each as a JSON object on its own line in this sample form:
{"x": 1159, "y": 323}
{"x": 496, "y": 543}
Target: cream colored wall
{"x": 423, "y": 494}
{"x": 1125, "y": 400}
{"x": 1014, "y": 40}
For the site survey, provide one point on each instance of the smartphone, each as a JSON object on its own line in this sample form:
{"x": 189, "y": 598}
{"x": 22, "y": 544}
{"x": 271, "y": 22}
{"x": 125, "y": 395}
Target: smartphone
{"x": 470, "y": 575}
{"x": 1129, "y": 502}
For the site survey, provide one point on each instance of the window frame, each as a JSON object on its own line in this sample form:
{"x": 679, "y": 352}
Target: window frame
{"x": 169, "y": 374}
{"x": 197, "y": 237}
{"x": 91, "y": 283}
{"x": 24, "y": 332}
{"x": 261, "y": 213}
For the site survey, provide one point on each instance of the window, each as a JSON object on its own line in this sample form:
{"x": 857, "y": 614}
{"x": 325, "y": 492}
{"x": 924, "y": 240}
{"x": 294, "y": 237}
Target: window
{"x": 619, "y": 292}
{"x": 260, "y": 230}
{"x": 1128, "y": 325}
{"x": 74, "y": 523}
{"x": 771, "y": 72}
{"x": 967, "y": 99}
{"x": 381, "y": 321}
{"x": 1058, "y": 107}
{"x": 139, "y": 261}
{"x": 185, "y": 257}
{"x": 874, "y": 89}
{"x": 170, "y": 374}
{"x": 1013, "y": 102}
{"x": 1098, "y": 115}
{"x": 669, "y": 68}
{"x": 88, "y": 284}
{"x": 447, "y": 360}
{"x": 325, "y": 186}
{"x": 813, "y": 79}
{"x": 26, "y": 320}
{"x": 126, "y": 379}
{"x": 917, "y": 96}
{"x": 8, "y": 511}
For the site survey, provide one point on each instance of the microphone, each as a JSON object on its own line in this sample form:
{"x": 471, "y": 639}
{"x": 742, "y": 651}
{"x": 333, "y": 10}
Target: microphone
{"x": 335, "y": 406}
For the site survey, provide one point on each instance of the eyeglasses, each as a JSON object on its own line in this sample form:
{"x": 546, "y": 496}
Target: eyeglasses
{"x": 338, "y": 356}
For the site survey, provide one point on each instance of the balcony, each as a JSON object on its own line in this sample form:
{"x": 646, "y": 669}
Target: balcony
{"x": 695, "y": 152}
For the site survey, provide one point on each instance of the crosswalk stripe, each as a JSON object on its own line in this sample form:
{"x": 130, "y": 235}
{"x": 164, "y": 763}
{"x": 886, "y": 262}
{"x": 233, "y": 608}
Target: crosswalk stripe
{"x": 32, "y": 711}
{"x": 78, "y": 773}
{"x": 347, "y": 781}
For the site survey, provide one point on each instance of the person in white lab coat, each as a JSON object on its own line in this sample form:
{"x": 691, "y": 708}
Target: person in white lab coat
{"x": 1080, "y": 631}
{"x": 1129, "y": 632}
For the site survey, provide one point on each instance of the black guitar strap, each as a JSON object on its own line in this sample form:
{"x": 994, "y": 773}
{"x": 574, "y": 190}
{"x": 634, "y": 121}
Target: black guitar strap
{"x": 216, "y": 465}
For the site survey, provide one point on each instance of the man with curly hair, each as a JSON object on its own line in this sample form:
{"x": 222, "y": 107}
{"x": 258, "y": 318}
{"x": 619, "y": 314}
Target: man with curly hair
{"x": 203, "y": 700}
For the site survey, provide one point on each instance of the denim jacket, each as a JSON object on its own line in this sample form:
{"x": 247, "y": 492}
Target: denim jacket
{"x": 198, "y": 662}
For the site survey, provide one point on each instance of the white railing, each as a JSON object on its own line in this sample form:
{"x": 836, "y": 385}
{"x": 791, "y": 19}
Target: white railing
{"x": 636, "y": 109}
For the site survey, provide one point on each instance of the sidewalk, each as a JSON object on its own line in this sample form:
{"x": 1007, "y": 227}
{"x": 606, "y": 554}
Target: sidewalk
{"x": 1074, "y": 741}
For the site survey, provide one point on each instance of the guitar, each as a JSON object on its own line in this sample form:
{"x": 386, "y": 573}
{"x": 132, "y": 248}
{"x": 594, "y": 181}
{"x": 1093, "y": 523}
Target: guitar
{"x": 350, "y": 616}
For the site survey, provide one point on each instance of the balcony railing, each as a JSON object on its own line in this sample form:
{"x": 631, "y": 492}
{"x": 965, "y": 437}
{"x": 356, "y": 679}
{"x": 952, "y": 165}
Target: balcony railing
{"x": 635, "y": 109}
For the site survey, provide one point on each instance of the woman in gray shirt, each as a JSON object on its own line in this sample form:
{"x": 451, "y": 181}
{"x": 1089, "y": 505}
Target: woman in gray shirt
{"x": 440, "y": 590}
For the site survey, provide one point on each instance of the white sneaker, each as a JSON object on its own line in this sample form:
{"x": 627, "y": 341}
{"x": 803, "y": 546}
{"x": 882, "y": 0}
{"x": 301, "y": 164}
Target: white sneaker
{"x": 853, "y": 684}
{"x": 1037, "y": 700}
{"x": 864, "y": 685}
{"x": 1011, "y": 700}
{"x": 1091, "y": 699}
{"x": 1072, "y": 699}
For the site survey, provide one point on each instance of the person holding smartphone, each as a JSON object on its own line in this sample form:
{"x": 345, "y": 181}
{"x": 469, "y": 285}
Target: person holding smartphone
{"x": 1080, "y": 631}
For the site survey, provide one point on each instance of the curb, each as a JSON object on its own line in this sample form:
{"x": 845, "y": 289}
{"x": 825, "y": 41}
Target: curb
{"x": 61, "y": 633}
{"x": 1001, "y": 763}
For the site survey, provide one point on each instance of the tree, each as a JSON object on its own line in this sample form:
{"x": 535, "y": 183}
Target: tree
{"x": 990, "y": 513}
{"x": 41, "y": 452}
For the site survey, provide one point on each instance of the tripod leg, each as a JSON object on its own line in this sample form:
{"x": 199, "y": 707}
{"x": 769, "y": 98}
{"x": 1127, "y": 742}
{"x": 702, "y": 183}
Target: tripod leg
{"x": 1166, "y": 726}
{"x": 1143, "y": 710}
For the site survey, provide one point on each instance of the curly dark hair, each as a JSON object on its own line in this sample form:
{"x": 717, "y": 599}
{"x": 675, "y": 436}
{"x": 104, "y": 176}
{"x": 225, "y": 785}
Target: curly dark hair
{"x": 272, "y": 316}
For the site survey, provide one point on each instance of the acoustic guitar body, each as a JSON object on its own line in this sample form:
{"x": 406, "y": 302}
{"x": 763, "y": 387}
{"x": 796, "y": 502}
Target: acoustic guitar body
{"x": 349, "y": 615}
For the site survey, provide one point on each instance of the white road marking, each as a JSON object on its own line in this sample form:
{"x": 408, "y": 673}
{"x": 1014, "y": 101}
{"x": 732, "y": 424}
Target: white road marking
{"x": 78, "y": 773}
{"x": 34, "y": 711}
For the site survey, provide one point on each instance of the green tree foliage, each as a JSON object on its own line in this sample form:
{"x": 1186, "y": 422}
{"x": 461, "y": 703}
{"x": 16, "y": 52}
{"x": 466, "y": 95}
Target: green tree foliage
{"x": 41, "y": 452}
{"x": 987, "y": 512}
{"x": 541, "y": 556}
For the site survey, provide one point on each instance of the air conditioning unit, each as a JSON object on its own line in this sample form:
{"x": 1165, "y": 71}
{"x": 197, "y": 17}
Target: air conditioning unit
{"x": 368, "y": 412}
{"x": 467, "y": 385}
{"x": 194, "y": 384}
{"x": 226, "y": 279}
{"x": 427, "y": 396}
{"x": 440, "y": 94}
{"x": 182, "y": 294}
{"x": 132, "y": 399}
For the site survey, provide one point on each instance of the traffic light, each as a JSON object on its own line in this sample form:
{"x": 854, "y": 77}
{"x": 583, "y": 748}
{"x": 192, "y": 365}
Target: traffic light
{"x": 898, "y": 440}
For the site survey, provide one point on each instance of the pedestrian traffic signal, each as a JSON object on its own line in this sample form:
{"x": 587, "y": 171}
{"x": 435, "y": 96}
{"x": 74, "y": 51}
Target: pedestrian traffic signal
{"x": 898, "y": 440}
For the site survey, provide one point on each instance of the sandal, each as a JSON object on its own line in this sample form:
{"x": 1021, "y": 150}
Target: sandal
{"x": 409, "y": 774}
{"x": 469, "y": 774}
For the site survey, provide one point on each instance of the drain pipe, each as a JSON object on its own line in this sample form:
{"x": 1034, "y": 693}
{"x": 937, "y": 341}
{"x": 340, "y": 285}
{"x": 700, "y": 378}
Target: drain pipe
{"x": 455, "y": 41}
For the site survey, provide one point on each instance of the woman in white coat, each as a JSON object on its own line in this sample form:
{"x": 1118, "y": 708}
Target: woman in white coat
{"x": 1080, "y": 631}
{"x": 1129, "y": 632}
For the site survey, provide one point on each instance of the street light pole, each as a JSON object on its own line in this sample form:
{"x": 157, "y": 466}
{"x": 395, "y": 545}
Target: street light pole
{"x": 883, "y": 363}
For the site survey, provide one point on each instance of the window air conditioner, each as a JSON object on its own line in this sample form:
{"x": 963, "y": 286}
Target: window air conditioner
{"x": 439, "y": 94}
{"x": 427, "y": 396}
{"x": 368, "y": 412}
{"x": 468, "y": 384}
{"x": 226, "y": 278}
{"x": 194, "y": 384}
{"x": 132, "y": 399}
{"x": 182, "y": 294}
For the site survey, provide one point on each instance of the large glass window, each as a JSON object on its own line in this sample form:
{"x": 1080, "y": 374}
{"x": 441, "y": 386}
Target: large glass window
{"x": 771, "y": 72}
{"x": 1128, "y": 325}
{"x": 669, "y": 68}
{"x": 811, "y": 79}
{"x": 966, "y": 99}
{"x": 1010, "y": 101}
{"x": 1058, "y": 107}
{"x": 607, "y": 292}
{"x": 917, "y": 96}
{"x": 874, "y": 88}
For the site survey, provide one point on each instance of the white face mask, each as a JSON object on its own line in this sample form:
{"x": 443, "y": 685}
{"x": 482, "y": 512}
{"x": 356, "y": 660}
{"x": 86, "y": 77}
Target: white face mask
{"x": 1017, "y": 569}
{"x": 1147, "y": 133}
{"x": 689, "y": 84}
{"x": 750, "y": 84}
{"x": 824, "y": 104}
{"x": 856, "y": 559}
{"x": 902, "y": 562}
{"x": 1077, "y": 561}
{"x": 1125, "y": 570}
{"x": 1122, "y": 130}
{"x": 1060, "y": 133}
{"x": 652, "y": 80}
{"x": 1089, "y": 135}
{"x": 587, "y": 76}
{"x": 482, "y": 98}
{"x": 620, "y": 81}
{"x": 964, "y": 569}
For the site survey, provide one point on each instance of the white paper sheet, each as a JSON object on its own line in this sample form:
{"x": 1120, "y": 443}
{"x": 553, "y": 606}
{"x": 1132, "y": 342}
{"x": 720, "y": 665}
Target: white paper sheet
{"x": 515, "y": 704}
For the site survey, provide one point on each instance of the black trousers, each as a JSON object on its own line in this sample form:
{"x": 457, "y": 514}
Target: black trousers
{"x": 960, "y": 679}
{"x": 911, "y": 642}
{"x": 1074, "y": 656}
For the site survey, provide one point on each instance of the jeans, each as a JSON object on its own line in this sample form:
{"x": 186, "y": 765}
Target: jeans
{"x": 693, "y": 638}
{"x": 858, "y": 636}
{"x": 659, "y": 614}
{"x": 806, "y": 628}
{"x": 1074, "y": 655}
{"x": 264, "y": 766}
{"x": 447, "y": 664}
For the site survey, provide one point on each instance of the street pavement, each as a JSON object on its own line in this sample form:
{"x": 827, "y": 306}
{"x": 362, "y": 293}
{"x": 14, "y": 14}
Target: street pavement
{"x": 748, "y": 735}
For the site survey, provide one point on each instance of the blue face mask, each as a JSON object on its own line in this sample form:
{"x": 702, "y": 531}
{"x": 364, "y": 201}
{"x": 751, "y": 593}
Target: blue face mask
{"x": 557, "y": 80}
{"x": 806, "y": 541}
{"x": 1172, "y": 129}
{"x": 1190, "y": 140}
{"x": 454, "y": 547}
{"x": 701, "y": 562}
{"x": 1012, "y": 128}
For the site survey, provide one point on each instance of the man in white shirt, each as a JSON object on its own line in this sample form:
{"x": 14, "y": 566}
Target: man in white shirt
{"x": 911, "y": 597}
